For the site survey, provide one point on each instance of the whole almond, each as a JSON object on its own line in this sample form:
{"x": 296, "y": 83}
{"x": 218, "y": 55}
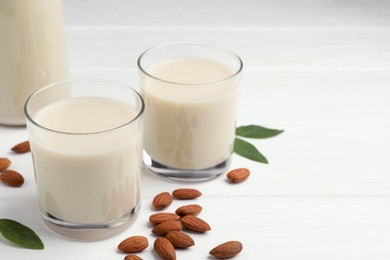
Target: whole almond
{"x": 238, "y": 175}
{"x": 180, "y": 239}
{"x": 133, "y": 244}
{"x": 162, "y": 200}
{"x": 163, "y": 228}
{"x": 186, "y": 194}
{"x": 164, "y": 249}
{"x": 191, "y": 209}
{"x": 12, "y": 178}
{"x": 132, "y": 257}
{"x": 226, "y": 250}
{"x": 158, "y": 218}
{"x": 22, "y": 147}
{"x": 4, "y": 164}
{"x": 195, "y": 224}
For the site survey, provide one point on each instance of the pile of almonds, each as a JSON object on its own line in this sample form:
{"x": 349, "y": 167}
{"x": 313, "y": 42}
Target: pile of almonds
{"x": 11, "y": 177}
{"x": 169, "y": 228}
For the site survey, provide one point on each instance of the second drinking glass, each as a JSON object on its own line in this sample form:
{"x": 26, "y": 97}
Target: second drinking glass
{"x": 191, "y": 92}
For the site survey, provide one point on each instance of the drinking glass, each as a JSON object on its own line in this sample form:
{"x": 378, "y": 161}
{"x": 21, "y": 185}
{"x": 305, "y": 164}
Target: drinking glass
{"x": 191, "y": 92}
{"x": 86, "y": 143}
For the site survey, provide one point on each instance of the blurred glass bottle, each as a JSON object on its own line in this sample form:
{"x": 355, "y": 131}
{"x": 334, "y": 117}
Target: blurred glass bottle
{"x": 33, "y": 52}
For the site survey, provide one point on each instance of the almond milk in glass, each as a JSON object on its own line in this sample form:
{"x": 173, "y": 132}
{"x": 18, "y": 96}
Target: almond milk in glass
{"x": 191, "y": 94}
{"x": 86, "y": 143}
{"x": 32, "y": 52}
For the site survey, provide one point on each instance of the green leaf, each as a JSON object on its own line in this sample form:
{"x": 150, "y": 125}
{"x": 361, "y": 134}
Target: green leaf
{"x": 20, "y": 234}
{"x": 256, "y": 131}
{"x": 248, "y": 151}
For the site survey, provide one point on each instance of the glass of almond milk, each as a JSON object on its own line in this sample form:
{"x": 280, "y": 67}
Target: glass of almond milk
{"x": 190, "y": 91}
{"x": 86, "y": 143}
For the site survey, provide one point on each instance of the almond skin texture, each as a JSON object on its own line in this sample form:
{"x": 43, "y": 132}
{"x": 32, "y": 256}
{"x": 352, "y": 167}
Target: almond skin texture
{"x": 12, "y": 178}
{"x": 191, "y": 209}
{"x": 186, "y": 194}
{"x": 164, "y": 249}
{"x": 4, "y": 164}
{"x": 238, "y": 175}
{"x": 195, "y": 224}
{"x": 162, "y": 200}
{"x": 133, "y": 244}
{"x": 132, "y": 257}
{"x": 159, "y": 218}
{"x": 22, "y": 147}
{"x": 226, "y": 250}
{"x": 163, "y": 228}
{"x": 180, "y": 239}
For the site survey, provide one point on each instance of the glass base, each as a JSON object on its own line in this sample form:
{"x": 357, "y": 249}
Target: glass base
{"x": 188, "y": 176}
{"x": 90, "y": 232}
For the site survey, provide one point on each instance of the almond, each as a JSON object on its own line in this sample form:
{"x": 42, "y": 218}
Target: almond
{"x": 226, "y": 250}
{"x": 162, "y": 200}
{"x": 132, "y": 257}
{"x": 133, "y": 244}
{"x": 158, "y": 218}
{"x": 163, "y": 228}
{"x": 238, "y": 175}
{"x": 4, "y": 164}
{"x": 164, "y": 249}
{"x": 186, "y": 194}
{"x": 191, "y": 209}
{"x": 195, "y": 224}
{"x": 12, "y": 178}
{"x": 180, "y": 239}
{"x": 22, "y": 147}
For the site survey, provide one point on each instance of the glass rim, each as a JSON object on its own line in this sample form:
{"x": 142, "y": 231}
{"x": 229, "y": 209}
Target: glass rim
{"x": 227, "y": 51}
{"x": 135, "y": 92}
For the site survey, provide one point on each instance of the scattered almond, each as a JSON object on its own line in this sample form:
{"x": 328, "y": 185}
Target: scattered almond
{"x": 163, "y": 228}
{"x": 191, "y": 209}
{"x": 226, "y": 250}
{"x": 162, "y": 200}
{"x": 238, "y": 175}
{"x": 4, "y": 164}
{"x": 186, "y": 194}
{"x": 22, "y": 147}
{"x": 195, "y": 224}
{"x": 133, "y": 244}
{"x": 168, "y": 226}
{"x": 12, "y": 178}
{"x": 164, "y": 249}
{"x": 158, "y": 218}
{"x": 132, "y": 257}
{"x": 180, "y": 239}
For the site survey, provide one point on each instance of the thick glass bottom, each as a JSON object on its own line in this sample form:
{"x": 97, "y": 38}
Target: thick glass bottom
{"x": 185, "y": 175}
{"x": 90, "y": 232}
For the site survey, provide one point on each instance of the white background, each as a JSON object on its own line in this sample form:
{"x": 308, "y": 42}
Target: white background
{"x": 318, "y": 69}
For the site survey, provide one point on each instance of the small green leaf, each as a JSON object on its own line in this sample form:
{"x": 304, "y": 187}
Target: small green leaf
{"x": 20, "y": 234}
{"x": 248, "y": 151}
{"x": 256, "y": 131}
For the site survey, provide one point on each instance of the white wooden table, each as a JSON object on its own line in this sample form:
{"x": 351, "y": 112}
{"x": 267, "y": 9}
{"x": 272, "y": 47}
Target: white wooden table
{"x": 318, "y": 69}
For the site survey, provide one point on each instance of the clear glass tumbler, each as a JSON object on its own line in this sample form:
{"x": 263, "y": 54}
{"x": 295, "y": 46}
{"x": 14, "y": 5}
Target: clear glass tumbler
{"x": 86, "y": 143}
{"x": 191, "y": 92}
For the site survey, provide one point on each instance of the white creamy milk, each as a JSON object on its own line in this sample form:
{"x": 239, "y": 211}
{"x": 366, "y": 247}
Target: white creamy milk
{"x": 87, "y": 178}
{"x": 32, "y": 52}
{"x": 189, "y": 124}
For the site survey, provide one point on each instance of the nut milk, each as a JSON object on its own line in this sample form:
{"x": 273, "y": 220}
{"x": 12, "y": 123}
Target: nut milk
{"x": 87, "y": 178}
{"x": 190, "y": 112}
{"x": 32, "y": 52}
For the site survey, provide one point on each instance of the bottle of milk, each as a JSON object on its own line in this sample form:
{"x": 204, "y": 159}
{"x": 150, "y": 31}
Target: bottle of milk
{"x": 33, "y": 52}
